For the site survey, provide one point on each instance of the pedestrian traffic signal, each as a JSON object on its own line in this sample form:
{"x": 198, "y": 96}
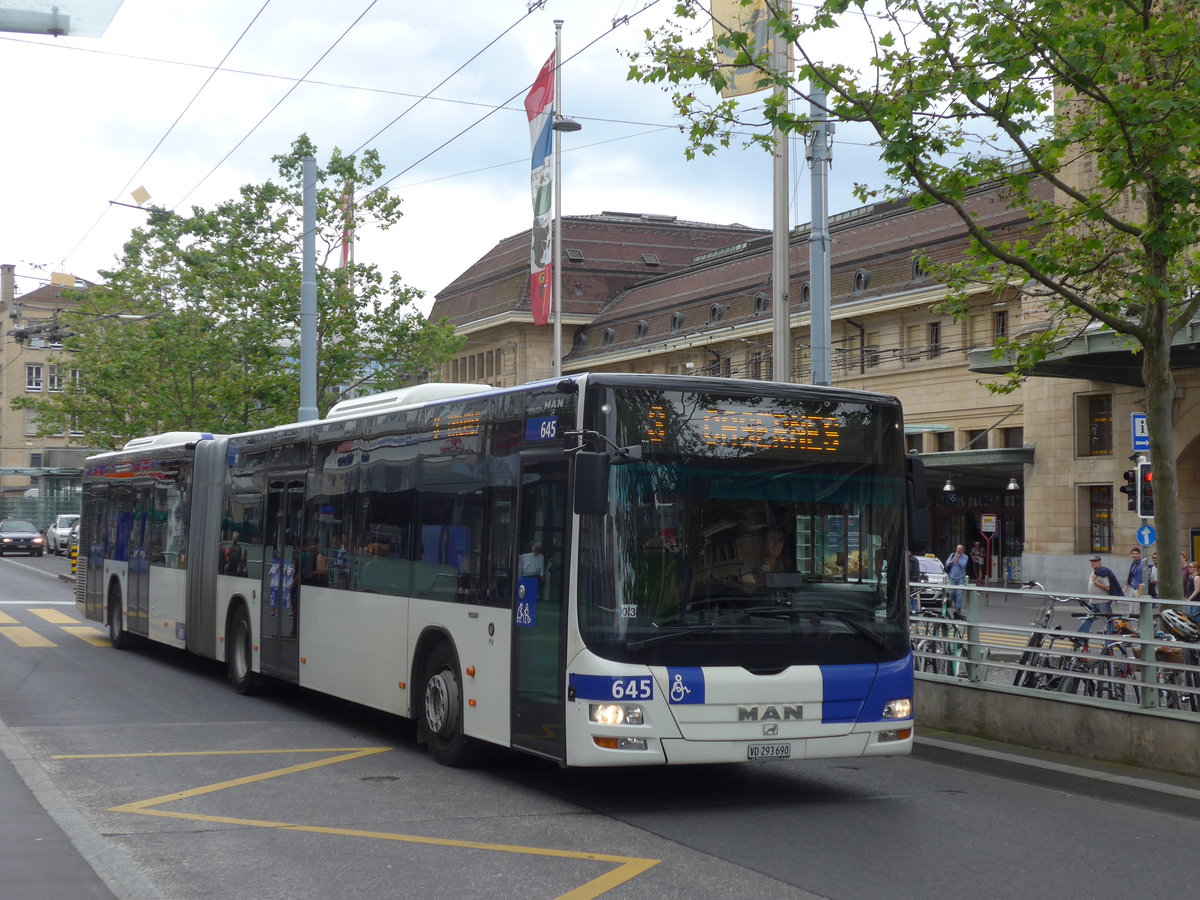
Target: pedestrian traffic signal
{"x": 1129, "y": 489}
{"x": 1145, "y": 490}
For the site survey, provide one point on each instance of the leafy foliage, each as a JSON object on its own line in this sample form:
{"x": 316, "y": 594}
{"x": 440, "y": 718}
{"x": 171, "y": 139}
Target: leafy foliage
{"x": 197, "y": 329}
{"x": 1088, "y": 111}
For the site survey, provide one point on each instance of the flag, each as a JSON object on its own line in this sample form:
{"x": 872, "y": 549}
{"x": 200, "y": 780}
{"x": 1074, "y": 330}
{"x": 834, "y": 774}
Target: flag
{"x": 539, "y": 108}
{"x": 733, "y": 15}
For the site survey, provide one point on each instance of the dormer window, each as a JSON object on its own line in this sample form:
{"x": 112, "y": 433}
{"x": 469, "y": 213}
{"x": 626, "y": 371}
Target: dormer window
{"x": 574, "y": 255}
{"x": 761, "y": 303}
{"x": 862, "y": 279}
{"x": 806, "y": 292}
{"x": 610, "y": 335}
{"x": 676, "y": 321}
{"x": 643, "y": 328}
{"x": 650, "y": 259}
{"x": 715, "y": 312}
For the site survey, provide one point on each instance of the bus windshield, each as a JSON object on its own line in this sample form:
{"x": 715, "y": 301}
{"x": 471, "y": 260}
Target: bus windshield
{"x": 762, "y": 533}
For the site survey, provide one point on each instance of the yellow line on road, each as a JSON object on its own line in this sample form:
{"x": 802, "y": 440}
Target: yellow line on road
{"x": 25, "y": 637}
{"x": 6, "y": 619}
{"x": 88, "y": 633}
{"x": 55, "y": 617}
{"x": 628, "y": 867}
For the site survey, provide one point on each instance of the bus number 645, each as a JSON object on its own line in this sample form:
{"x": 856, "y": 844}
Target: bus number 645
{"x": 633, "y": 689}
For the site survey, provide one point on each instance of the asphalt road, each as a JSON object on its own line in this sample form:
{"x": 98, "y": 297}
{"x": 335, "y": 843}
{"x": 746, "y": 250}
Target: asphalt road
{"x": 171, "y": 785}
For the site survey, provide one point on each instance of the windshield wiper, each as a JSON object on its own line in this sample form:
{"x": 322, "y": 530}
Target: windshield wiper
{"x": 668, "y": 635}
{"x": 862, "y": 629}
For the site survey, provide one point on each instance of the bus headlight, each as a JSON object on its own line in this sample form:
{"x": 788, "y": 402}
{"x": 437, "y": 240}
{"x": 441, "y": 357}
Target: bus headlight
{"x": 898, "y": 709}
{"x": 615, "y": 714}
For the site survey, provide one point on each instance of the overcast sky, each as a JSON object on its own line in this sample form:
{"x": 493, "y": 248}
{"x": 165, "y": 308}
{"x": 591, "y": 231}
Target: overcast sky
{"x": 87, "y": 121}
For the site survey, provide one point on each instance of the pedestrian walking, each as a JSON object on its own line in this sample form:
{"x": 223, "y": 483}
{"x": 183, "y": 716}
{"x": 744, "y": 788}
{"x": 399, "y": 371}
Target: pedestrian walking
{"x": 957, "y": 565}
{"x": 1134, "y": 580}
{"x": 1103, "y": 582}
{"x": 1151, "y": 573}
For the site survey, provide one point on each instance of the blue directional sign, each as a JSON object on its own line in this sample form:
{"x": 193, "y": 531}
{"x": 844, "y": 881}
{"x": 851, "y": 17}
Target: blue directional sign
{"x": 1141, "y": 437}
{"x": 1146, "y": 535}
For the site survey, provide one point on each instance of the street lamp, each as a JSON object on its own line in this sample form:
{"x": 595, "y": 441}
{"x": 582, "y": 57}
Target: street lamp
{"x": 949, "y": 485}
{"x": 1013, "y": 485}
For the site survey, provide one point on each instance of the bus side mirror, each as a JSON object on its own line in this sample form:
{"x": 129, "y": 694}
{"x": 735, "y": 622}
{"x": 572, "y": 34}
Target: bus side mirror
{"x": 591, "y": 483}
{"x": 916, "y": 505}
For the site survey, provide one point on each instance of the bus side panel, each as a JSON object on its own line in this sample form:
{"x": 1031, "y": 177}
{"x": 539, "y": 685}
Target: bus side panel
{"x": 482, "y": 641}
{"x": 168, "y": 607}
{"x": 355, "y": 646}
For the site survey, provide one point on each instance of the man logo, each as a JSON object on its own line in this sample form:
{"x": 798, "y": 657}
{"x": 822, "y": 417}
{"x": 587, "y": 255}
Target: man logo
{"x": 769, "y": 713}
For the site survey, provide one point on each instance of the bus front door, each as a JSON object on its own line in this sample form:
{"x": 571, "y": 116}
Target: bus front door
{"x": 283, "y": 530}
{"x": 539, "y": 609}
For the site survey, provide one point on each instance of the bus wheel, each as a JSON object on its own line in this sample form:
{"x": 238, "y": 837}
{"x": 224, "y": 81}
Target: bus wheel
{"x": 117, "y": 635}
{"x": 442, "y": 710}
{"x": 239, "y": 654}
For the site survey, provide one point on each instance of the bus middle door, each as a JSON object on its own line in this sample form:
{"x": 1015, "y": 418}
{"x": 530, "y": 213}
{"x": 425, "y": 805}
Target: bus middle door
{"x": 539, "y": 608}
{"x": 137, "y": 585}
{"x": 283, "y": 533}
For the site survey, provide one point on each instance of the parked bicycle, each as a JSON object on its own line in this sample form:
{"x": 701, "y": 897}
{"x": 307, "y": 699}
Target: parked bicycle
{"x": 1113, "y": 673}
{"x": 940, "y": 642}
{"x": 1038, "y": 654}
{"x": 1176, "y": 627}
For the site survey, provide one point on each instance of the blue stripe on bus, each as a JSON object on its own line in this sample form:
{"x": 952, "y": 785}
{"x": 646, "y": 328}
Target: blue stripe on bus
{"x": 855, "y": 693}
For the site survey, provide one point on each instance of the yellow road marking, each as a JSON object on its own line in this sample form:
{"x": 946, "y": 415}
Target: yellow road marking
{"x": 55, "y": 617}
{"x": 25, "y": 637}
{"x": 6, "y": 619}
{"x": 628, "y": 867}
{"x": 89, "y": 634}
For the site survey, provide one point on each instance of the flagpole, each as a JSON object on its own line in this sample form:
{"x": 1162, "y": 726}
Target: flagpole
{"x": 556, "y": 110}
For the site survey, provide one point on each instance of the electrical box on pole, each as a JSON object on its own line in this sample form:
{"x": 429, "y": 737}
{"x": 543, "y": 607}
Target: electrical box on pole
{"x": 1145, "y": 490}
{"x": 1129, "y": 488}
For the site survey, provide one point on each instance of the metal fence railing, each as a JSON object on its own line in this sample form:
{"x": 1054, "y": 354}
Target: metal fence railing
{"x": 1128, "y": 659}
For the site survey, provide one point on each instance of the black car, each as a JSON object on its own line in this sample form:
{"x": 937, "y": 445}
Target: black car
{"x": 19, "y": 536}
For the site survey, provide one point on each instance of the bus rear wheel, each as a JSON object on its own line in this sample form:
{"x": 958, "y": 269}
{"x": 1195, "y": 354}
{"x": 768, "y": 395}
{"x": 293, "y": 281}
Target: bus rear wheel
{"x": 442, "y": 710}
{"x": 117, "y": 635}
{"x": 240, "y": 653}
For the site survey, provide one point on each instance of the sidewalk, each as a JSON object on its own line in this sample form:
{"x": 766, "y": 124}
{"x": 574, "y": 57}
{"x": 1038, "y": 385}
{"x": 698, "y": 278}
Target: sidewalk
{"x": 48, "y": 850}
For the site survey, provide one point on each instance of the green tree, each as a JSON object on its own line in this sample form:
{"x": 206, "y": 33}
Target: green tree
{"x": 197, "y": 329}
{"x": 1099, "y": 99}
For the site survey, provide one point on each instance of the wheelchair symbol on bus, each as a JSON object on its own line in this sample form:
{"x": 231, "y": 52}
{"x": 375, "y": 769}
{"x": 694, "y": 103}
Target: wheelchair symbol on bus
{"x": 679, "y": 690}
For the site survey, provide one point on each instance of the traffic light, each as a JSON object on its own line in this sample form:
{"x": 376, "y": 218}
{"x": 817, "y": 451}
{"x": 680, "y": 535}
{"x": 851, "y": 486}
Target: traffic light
{"x": 1145, "y": 490}
{"x": 1129, "y": 489}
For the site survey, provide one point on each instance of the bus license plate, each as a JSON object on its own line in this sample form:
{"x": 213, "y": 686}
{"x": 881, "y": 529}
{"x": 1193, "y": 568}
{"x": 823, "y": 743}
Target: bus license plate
{"x": 769, "y": 751}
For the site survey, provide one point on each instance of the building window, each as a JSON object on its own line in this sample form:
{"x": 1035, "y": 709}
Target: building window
{"x": 761, "y": 303}
{"x": 715, "y": 312}
{"x": 862, "y": 279}
{"x": 610, "y": 335}
{"x": 31, "y": 423}
{"x": 1012, "y": 437}
{"x": 945, "y": 441}
{"x": 806, "y": 292}
{"x": 756, "y": 366}
{"x": 1100, "y": 519}
{"x": 33, "y": 378}
{"x": 1094, "y": 425}
{"x": 920, "y": 268}
{"x": 650, "y": 259}
{"x": 575, "y": 255}
{"x": 1000, "y": 324}
{"x": 914, "y": 443}
{"x": 643, "y": 328}
{"x": 54, "y": 379}
{"x": 976, "y": 440}
{"x": 581, "y": 339}
{"x": 935, "y": 339}
{"x": 676, "y": 321}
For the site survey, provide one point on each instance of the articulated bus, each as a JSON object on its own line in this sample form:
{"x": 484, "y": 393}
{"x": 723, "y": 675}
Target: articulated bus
{"x": 600, "y": 569}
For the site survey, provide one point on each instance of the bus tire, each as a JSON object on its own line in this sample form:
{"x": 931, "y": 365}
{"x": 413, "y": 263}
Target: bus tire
{"x": 117, "y": 635}
{"x": 442, "y": 709}
{"x": 239, "y": 657}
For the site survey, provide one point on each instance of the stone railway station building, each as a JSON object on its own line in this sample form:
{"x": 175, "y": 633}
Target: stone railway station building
{"x": 650, "y": 293}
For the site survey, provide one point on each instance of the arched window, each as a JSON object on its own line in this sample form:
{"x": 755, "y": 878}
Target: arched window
{"x": 862, "y": 279}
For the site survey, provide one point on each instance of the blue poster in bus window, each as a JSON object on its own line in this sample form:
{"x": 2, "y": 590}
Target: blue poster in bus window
{"x": 289, "y": 579}
{"x": 527, "y": 600}
{"x": 544, "y": 429}
{"x": 273, "y": 581}
{"x": 685, "y": 685}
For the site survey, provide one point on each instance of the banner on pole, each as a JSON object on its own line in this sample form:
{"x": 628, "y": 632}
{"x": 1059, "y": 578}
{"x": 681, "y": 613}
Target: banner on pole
{"x": 539, "y": 108}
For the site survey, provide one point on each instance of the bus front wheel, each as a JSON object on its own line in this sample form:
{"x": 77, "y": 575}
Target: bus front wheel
{"x": 442, "y": 710}
{"x": 240, "y": 653}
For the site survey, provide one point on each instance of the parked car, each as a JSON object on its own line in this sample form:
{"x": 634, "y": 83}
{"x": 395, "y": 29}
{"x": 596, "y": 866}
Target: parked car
{"x": 20, "y": 536}
{"x": 58, "y": 535}
{"x": 932, "y": 572}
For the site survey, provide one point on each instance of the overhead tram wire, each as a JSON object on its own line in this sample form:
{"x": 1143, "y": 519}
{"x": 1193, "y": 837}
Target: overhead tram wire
{"x": 624, "y": 20}
{"x": 278, "y": 103}
{"x": 211, "y": 75}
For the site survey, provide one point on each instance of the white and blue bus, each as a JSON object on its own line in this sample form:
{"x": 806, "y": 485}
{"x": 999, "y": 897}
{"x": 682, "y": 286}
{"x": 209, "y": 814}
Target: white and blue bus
{"x": 600, "y": 570}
